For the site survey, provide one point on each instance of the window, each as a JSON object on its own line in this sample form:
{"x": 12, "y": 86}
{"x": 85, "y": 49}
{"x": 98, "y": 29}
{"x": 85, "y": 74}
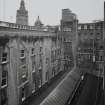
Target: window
{"x": 47, "y": 76}
{"x": 40, "y": 78}
{"x": 52, "y": 56}
{"x": 53, "y": 71}
{"x": 40, "y": 58}
{"x": 23, "y": 76}
{"x": 82, "y": 27}
{"x": 47, "y": 60}
{"x": 33, "y": 80}
{"x": 91, "y": 34}
{"x": 64, "y": 39}
{"x": 40, "y": 83}
{"x": 100, "y": 66}
{"x": 85, "y": 26}
{"x": 98, "y": 27}
{"x": 79, "y": 34}
{"x": 79, "y": 27}
{"x": 4, "y": 57}
{"x": 32, "y": 51}
{"x": 33, "y": 88}
{"x": 101, "y": 58}
{"x": 91, "y": 27}
{"x": 79, "y": 48}
{"x": 93, "y": 58}
{"x": 40, "y": 49}
{"x": 23, "y": 94}
{"x": 33, "y": 59}
{"x": 4, "y": 79}
{"x": 67, "y": 29}
{"x": 33, "y": 67}
{"x": 22, "y": 53}
{"x": 98, "y": 36}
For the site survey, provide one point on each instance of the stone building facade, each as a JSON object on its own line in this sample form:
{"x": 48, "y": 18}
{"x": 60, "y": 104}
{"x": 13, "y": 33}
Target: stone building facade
{"x": 90, "y": 51}
{"x": 30, "y": 56}
{"x": 29, "y": 59}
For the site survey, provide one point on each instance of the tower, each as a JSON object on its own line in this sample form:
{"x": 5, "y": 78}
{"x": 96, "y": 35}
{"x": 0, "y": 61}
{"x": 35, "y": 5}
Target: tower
{"x": 22, "y": 14}
{"x": 69, "y": 35}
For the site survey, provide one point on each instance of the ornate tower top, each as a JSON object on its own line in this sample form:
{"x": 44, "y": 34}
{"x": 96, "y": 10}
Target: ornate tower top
{"x": 22, "y": 5}
{"x": 22, "y": 14}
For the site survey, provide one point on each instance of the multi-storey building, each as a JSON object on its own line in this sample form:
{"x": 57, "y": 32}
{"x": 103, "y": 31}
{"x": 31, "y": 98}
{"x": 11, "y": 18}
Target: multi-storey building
{"x": 90, "y": 50}
{"x": 29, "y": 59}
{"x": 69, "y": 28}
{"x": 30, "y": 56}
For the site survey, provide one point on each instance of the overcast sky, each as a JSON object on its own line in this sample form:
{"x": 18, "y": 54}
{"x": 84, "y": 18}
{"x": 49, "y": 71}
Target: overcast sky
{"x": 50, "y": 10}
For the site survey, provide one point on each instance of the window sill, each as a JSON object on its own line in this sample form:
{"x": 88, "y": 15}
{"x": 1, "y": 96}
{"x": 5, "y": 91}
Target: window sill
{"x": 22, "y": 57}
{"x": 23, "y": 99}
{"x": 2, "y": 87}
{"x": 4, "y": 62}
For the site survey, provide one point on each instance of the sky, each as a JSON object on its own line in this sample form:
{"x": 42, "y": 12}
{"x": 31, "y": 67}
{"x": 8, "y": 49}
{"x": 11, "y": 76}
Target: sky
{"x": 50, "y": 11}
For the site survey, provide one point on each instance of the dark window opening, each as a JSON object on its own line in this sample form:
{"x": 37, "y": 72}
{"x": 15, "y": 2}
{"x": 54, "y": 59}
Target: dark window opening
{"x": 22, "y": 53}
{"x": 4, "y": 57}
{"x": 47, "y": 77}
{"x": 32, "y": 51}
{"x": 4, "y": 79}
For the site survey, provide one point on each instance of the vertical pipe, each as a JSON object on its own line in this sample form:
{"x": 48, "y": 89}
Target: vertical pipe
{"x": 103, "y": 96}
{"x": 0, "y": 72}
{"x": 104, "y": 54}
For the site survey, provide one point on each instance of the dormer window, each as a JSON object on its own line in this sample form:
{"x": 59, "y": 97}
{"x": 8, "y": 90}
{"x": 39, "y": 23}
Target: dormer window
{"x": 4, "y": 58}
{"x": 22, "y": 54}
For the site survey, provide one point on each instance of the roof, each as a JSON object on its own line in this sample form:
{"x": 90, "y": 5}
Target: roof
{"x": 61, "y": 94}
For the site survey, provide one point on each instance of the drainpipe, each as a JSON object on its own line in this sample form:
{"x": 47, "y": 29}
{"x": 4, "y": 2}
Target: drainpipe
{"x": 104, "y": 54}
{"x": 0, "y": 72}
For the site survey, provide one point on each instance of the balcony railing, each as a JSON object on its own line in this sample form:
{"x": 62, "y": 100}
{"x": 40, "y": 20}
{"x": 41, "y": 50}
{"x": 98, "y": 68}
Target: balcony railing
{"x": 25, "y": 27}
